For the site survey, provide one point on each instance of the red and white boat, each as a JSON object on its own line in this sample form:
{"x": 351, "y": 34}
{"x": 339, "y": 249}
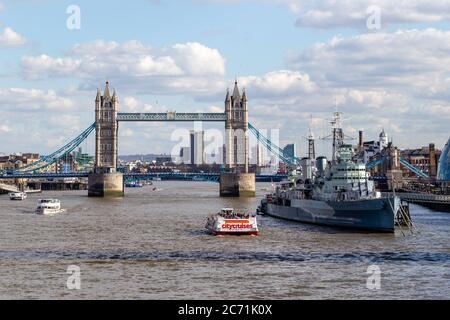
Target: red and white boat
{"x": 229, "y": 222}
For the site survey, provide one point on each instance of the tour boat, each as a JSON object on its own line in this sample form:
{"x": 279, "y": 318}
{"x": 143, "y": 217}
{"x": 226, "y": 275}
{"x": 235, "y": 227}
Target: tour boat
{"x": 18, "y": 196}
{"x": 48, "y": 206}
{"x": 229, "y": 222}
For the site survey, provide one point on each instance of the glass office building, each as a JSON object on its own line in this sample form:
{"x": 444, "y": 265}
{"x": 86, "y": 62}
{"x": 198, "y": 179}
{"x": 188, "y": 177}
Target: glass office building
{"x": 444, "y": 163}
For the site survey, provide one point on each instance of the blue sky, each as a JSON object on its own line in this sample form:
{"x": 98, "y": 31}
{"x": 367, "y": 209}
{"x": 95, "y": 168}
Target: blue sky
{"x": 296, "y": 58}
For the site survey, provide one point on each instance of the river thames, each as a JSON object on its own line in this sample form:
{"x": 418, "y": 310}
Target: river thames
{"x": 153, "y": 245}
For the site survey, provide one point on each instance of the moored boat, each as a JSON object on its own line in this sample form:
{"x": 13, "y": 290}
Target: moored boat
{"x": 134, "y": 184}
{"x": 18, "y": 196}
{"x": 339, "y": 193}
{"x": 48, "y": 206}
{"x": 229, "y": 222}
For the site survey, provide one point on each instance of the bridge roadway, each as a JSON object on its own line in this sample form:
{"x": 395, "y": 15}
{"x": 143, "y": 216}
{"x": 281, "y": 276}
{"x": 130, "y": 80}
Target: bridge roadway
{"x": 162, "y": 175}
{"x": 172, "y": 116}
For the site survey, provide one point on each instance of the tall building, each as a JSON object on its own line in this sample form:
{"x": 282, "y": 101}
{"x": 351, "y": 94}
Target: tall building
{"x": 185, "y": 155}
{"x": 290, "y": 150}
{"x": 444, "y": 164}
{"x": 106, "y": 107}
{"x": 197, "y": 147}
{"x": 258, "y": 155}
{"x": 222, "y": 153}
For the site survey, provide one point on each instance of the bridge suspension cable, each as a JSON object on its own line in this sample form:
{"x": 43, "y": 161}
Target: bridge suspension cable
{"x": 276, "y": 150}
{"x": 404, "y": 162}
{"x": 50, "y": 159}
{"x": 414, "y": 169}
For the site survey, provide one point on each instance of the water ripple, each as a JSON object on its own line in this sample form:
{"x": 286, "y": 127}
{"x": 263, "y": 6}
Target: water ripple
{"x": 373, "y": 257}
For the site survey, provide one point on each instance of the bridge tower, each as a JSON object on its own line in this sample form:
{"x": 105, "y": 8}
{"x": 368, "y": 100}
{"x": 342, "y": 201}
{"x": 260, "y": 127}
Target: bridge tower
{"x": 106, "y": 181}
{"x": 236, "y": 181}
{"x": 391, "y": 167}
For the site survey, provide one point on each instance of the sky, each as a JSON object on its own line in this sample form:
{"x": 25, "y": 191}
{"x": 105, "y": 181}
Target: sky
{"x": 384, "y": 64}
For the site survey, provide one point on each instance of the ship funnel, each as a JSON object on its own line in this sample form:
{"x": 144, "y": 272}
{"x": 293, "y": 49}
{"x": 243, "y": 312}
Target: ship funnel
{"x": 321, "y": 164}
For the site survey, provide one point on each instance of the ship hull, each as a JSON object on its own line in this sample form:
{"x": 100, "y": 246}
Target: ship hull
{"x": 220, "y": 226}
{"x": 372, "y": 215}
{"x": 225, "y": 233}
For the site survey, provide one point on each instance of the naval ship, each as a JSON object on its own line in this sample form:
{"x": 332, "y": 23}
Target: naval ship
{"x": 339, "y": 193}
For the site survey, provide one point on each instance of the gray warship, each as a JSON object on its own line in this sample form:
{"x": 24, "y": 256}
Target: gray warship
{"x": 338, "y": 193}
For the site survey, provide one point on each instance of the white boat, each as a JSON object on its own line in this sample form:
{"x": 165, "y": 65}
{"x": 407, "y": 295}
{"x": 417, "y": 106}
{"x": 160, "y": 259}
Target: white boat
{"x": 48, "y": 206}
{"x": 18, "y": 196}
{"x": 156, "y": 179}
{"x": 229, "y": 222}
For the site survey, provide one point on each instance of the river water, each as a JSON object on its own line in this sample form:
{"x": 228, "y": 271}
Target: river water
{"x": 153, "y": 245}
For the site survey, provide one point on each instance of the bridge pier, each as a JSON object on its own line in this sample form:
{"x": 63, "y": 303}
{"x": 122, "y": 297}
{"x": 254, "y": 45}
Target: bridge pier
{"x": 105, "y": 185}
{"x": 106, "y": 181}
{"x": 237, "y": 185}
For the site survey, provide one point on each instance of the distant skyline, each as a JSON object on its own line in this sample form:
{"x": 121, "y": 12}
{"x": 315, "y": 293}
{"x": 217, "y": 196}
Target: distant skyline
{"x": 296, "y": 58}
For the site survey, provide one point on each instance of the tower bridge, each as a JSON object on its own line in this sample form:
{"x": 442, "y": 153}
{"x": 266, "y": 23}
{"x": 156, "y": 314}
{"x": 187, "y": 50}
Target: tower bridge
{"x": 236, "y": 181}
{"x": 106, "y": 180}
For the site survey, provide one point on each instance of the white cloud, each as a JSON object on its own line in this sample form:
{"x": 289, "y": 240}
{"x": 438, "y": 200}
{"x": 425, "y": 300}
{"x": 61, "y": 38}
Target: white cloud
{"x": 282, "y": 83}
{"x": 412, "y": 61}
{"x": 351, "y": 13}
{"x": 21, "y": 99}
{"x": 131, "y": 104}
{"x": 196, "y": 59}
{"x": 216, "y": 109}
{"x": 10, "y": 38}
{"x": 5, "y": 128}
{"x": 400, "y": 81}
{"x": 37, "y": 67}
{"x": 188, "y": 67}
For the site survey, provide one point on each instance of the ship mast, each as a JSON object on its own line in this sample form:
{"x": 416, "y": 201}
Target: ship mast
{"x": 338, "y": 133}
{"x": 311, "y": 144}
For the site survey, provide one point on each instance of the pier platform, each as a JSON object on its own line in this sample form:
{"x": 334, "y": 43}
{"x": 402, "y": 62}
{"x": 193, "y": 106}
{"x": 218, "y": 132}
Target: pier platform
{"x": 429, "y": 200}
{"x": 106, "y": 185}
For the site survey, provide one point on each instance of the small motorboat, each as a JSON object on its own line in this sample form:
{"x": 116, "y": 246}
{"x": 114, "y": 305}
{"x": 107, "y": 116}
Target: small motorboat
{"x": 229, "y": 222}
{"x": 48, "y": 207}
{"x": 19, "y": 196}
{"x": 134, "y": 184}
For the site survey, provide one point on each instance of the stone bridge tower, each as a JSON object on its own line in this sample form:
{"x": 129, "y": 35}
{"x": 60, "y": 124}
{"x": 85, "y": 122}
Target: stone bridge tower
{"x": 236, "y": 109}
{"x": 105, "y": 181}
{"x": 237, "y": 181}
{"x": 106, "y": 130}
